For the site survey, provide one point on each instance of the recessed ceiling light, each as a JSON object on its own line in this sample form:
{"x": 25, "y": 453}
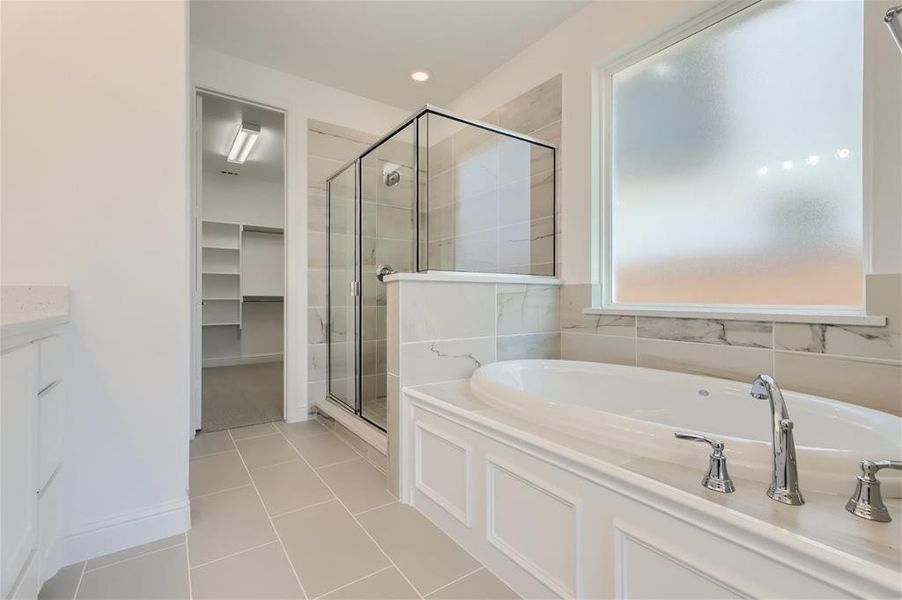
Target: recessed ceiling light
{"x": 243, "y": 143}
{"x": 421, "y": 75}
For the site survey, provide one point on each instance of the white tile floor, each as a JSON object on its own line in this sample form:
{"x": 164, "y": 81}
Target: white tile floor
{"x": 287, "y": 511}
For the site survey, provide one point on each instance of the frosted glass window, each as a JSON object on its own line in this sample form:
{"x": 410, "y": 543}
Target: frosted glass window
{"x": 736, "y": 167}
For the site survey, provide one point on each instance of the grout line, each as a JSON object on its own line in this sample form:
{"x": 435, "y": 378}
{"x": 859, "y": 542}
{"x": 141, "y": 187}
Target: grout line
{"x": 359, "y": 524}
{"x": 84, "y": 566}
{"x": 296, "y": 510}
{"x": 340, "y": 462}
{"x": 353, "y": 582}
{"x": 188, "y": 564}
{"x": 253, "y": 437}
{"x": 231, "y": 489}
{"x": 193, "y": 458}
{"x": 233, "y": 554}
{"x": 461, "y": 578}
{"x": 275, "y": 464}
{"x": 363, "y": 512}
{"x": 268, "y": 516}
{"x": 131, "y": 558}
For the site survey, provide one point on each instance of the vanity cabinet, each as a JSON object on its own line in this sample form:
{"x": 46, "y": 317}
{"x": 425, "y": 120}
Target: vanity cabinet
{"x": 31, "y": 401}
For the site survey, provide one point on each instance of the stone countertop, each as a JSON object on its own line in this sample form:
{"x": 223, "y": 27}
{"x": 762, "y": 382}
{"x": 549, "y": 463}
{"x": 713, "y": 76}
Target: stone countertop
{"x": 822, "y": 520}
{"x": 25, "y": 310}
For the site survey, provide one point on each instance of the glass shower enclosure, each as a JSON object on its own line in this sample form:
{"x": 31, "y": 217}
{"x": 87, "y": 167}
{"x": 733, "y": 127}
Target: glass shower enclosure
{"x": 437, "y": 193}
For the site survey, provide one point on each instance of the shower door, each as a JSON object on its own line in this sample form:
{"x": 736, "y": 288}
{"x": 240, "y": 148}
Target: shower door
{"x": 387, "y": 201}
{"x": 343, "y": 311}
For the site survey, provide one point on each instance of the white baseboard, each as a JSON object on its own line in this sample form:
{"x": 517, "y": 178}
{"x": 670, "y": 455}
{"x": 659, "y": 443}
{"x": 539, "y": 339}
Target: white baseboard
{"x": 126, "y": 531}
{"x": 250, "y": 359}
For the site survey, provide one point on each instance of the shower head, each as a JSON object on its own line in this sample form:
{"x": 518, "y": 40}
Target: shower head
{"x": 390, "y": 175}
{"x": 893, "y": 20}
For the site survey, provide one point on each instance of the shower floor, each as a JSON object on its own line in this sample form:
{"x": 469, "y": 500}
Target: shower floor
{"x": 375, "y": 409}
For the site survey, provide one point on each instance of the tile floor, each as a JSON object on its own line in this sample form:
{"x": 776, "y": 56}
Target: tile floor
{"x": 286, "y": 511}
{"x": 241, "y": 395}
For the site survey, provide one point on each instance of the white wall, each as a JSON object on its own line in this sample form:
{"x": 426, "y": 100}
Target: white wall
{"x": 604, "y": 30}
{"x": 94, "y": 115}
{"x": 243, "y": 200}
{"x": 301, "y": 100}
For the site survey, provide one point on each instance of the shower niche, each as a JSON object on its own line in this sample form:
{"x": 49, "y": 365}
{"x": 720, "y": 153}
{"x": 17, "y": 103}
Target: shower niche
{"x": 437, "y": 193}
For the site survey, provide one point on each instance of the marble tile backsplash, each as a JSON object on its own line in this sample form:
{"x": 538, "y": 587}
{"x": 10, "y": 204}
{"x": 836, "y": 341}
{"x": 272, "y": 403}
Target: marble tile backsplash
{"x": 861, "y": 365}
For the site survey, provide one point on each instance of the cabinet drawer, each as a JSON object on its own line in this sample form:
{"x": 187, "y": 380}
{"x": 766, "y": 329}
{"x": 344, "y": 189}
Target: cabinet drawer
{"x": 50, "y": 407}
{"x": 51, "y": 351}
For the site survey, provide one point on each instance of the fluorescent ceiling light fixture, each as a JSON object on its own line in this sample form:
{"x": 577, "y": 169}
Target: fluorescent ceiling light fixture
{"x": 243, "y": 143}
{"x": 421, "y": 75}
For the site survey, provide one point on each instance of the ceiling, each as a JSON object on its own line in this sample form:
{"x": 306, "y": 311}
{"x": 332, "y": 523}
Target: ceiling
{"x": 221, "y": 119}
{"x": 370, "y": 48}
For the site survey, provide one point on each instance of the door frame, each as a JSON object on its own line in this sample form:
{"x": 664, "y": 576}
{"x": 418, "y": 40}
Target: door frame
{"x": 195, "y": 253}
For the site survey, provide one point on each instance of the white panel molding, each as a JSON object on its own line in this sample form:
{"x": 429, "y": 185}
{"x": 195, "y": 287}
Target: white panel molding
{"x": 126, "y": 531}
{"x": 464, "y": 513}
{"x": 622, "y": 535}
{"x": 565, "y": 589}
{"x": 836, "y": 569}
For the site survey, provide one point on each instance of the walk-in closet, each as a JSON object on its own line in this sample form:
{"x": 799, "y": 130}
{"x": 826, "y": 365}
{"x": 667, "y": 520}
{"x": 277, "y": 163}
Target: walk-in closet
{"x": 241, "y": 239}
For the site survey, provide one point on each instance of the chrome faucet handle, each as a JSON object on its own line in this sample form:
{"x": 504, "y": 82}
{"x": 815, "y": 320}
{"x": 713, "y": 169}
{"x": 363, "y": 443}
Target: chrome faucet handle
{"x": 383, "y": 270}
{"x": 716, "y": 478}
{"x": 866, "y": 502}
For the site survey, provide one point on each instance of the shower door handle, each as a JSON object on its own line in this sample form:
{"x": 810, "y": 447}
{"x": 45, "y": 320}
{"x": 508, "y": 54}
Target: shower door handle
{"x": 353, "y": 289}
{"x": 383, "y": 270}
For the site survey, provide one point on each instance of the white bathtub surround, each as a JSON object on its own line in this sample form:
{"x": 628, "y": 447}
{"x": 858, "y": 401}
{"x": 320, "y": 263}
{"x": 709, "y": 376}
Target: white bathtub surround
{"x": 857, "y": 364}
{"x": 444, "y": 326}
{"x": 27, "y": 308}
{"x": 637, "y": 409}
{"x": 554, "y": 514}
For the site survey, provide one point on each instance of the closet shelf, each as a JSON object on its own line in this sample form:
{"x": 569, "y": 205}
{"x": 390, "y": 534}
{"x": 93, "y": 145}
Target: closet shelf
{"x": 263, "y": 229}
{"x": 235, "y": 273}
{"x": 220, "y": 324}
{"x": 209, "y": 247}
{"x": 221, "y": 299}
{"x": 262, "y": 298}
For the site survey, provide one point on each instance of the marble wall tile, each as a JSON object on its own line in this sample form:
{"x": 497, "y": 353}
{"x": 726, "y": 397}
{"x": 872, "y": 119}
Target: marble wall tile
{"x": 530, "y": 345}
{"x": 431, "y": 362}
{"x": 534, "y": 109}
{"x": 530, "y": 242}
{"x": 598, "y": 348}
{"x": 576, "y": 297}
{"x": 872, "y": 384}
{"x": 751, "y": 334}
{"x": 317, "y": 249}
{"x": 316, "y": 392}
{"x": 845, "y": 340}
{"x": 437, "y": 311}
{"x": 317, "y": 287}
{"x": 318, "y": 170}
{"x": 317, "y": 362}
{"x": 317, "y": 211}
{"x": 527, "y": 309}
{"x": 394, "y": 222}
{"x": 333, "y": 141}
{"x": 392, "y": 329}
{"x": 727, "y": 362}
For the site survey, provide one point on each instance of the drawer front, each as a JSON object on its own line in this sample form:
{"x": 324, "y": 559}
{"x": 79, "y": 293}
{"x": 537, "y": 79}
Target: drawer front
{"x": 50, "y": 438}
{"x": 51, "y": 350}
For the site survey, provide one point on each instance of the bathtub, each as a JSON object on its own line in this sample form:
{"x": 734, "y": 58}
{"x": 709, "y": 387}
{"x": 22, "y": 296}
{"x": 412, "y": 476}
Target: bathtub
{"x": 637, "y": 410}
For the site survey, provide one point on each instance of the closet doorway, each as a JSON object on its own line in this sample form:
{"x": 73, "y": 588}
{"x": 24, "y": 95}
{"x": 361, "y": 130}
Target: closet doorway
{"x": 239, "y": 313}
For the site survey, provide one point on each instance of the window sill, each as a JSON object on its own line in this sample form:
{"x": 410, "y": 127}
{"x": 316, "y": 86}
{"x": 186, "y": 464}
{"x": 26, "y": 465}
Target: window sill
{"x": 775, "y": 317}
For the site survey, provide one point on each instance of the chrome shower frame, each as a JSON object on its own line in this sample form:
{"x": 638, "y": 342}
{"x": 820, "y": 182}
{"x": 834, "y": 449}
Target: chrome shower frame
{"x": 420, "y": 263}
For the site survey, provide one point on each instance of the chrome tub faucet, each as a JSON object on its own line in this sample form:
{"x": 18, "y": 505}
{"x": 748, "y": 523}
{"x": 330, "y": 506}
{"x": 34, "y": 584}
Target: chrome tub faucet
{"x": 784, "y": 486}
